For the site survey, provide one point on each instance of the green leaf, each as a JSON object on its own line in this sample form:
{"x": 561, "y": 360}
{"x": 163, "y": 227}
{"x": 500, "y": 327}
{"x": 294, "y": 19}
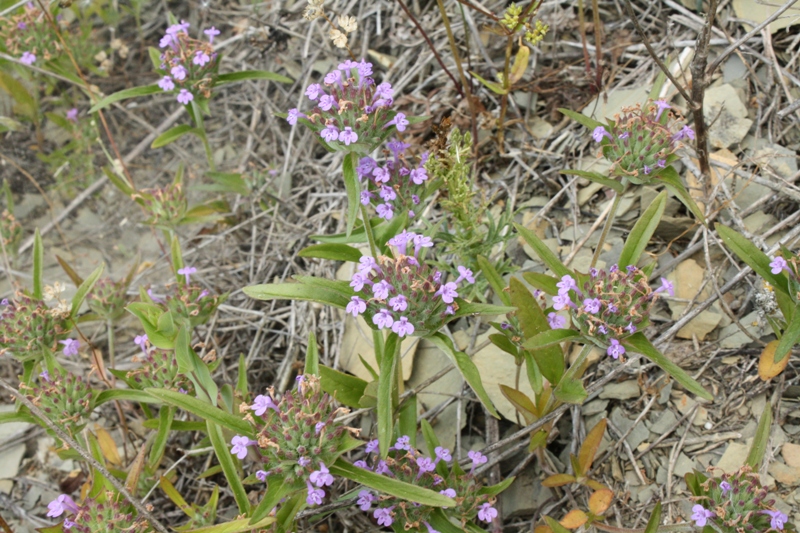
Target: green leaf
{"x": 494, "y": 279}
{"x": 226, "y": 182}
{"x": 468, "y": 308}
{"x": 124, "y": 394}
{"x": 171, "y": 135}
{"x": 790, "y": 337}
{"x": 148, "y": 315}
{"x": 335, "y": 252}
{"x": 345, "y": 388}
{"x": 120, "y": 182}
{"x": 759, "y": 446}
{"x": 353, "y": 189}
{"x": 555, "y": 527}
{"x": 655, "y": 520}
{"x": 570, "y": 390}
{"x": 644, "y": 228}
{"x": 228, "y": 466}
{"x": 580, "y": 118}
{"x": 177, "y": 425}
{"x": 160, "y": 442}
{"x": 467, "y": 368}
{"x": 439, "y": 522}
{"x": 203, "y": 410}
{"x": 386, "y": 387}
{"x": 504, "y": 343}
{"x": 296, "y": 291}
{"x": 392, "y": 487}
{"x": 494, "y": 490}
{"x": 520, "y": 402}
{"x": 534, "y": 372}
{"x": 251, "y": 75}
{"x": 11, "y": 416}
{"x": 597, "y": 178}
{"x": 124, "y": 95}
{"x": 277, "y": 489}
{"x": 495, "y": 87}
{"x": 544, "y": 253}
{"x": 752, "y": 256}
{"x": 550, "y": 338}
{"x": 669, "y": 177}
{"x": 26, "y": 103}
{"x": 638, "y": 343}
{"x": 38, "y": 265}
{"x": 84, "y": 289}
{"x": 543, "y": 282}
{"x": 312, "y": 356}
{"x": 407, "y": 420}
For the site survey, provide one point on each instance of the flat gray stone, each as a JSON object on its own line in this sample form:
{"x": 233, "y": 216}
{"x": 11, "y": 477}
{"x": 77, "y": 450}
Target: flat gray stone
{"x": 638, "y": 434}
{"x": 665, "y": 422}
{"x": 723, "y": 106}
{"x": 621, "y": 391}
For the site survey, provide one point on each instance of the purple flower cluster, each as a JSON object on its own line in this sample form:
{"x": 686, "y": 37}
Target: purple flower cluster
{"x": 736, "y": 502}
{"x": 29, "y": 328}
{"x": 609, "y": 306}
{"x": 437, "y": 473}
{"x": 351, "y": 112}
{"x": 29, "y": 36}
{"x": 395, "y": 187}
{"x": 65, "y": 398}
{"x": 403, "y": 293}
{"x": 188, "y": 66}
{"x": 639, "y": 143}
{"x": 159, "y": 368}
{"x": 296, "y": 437}
{"x": 95, "y": 515}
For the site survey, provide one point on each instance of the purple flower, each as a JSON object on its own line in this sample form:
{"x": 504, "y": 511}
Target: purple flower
{"x": 556, "y": 321}
{"x": 293, "y": 115}
{"x": 365, "y": 166}
{"x": 399, "y": 303}
{"x": 486, "y": 512}
{"x": 700, "y": 515}
{"x": 381, "y": 175}
{"x": 403, "y": 443}
{"x": 200, "y": 58}
{"x": 364, "y": 69}
{"x": 598, "y": 134}
{"x": 403, "y": 327}
{"x": 383, "y": 319}
{"x": 566, "y": 284}
{"x": 348, "y": 136}
{"x": 314, "y": 495}
{"x": 561, "y": 301}
{"x": 443, "y": 454}
{"x": 449, "y": 310}
{"x": 647, "y": 170}
{"x": 358, "y": 281}
{"x": 261, "y": 403}
{"x": 166, "y": 83}
{"x": 776, "y": 519}
{"x": 383, "y": 91}
{"x": 27, "y": 58}
{"x": 330, "y": 133}
{"x": 725, "y": 486}
{"x": 261, "y": 475}
{"x": 45, "y": 375}
{"x": 240, "y": 445}
{"x": 365, "y": 499}
{"x": 450, "y": 493}
{"x": 314, "y": 91}
{"x": 68, "y": 524}
{"x": 465, "y": 274}
{"x": 381, "y": 289}
{"x": 166, "y": 41}
{"x": 22, "y": 26}
{"x": 397, "y": 147}
{"x": 448, "y": 292}
{"x": 304, "y": 461}
{"x": 184, "y": 97}
{"x": 630, "y": 328}
{"x": 372, "y": 446}
{"x": 61, "y": 505}
{"x": 666, "y": 285}
{"x": 477, "y": 459}
{"x": 661, "y": 163}
{"x": 387, "y": 193}
{"x": 425, "y": 464}
{"x": 420, "y": 242}
{"x": 211, "y": 32}
{"x": 362, "y": 464}
{"x": 616, "y": 349}
{"x": 187, "y": 271}
{"x": 612, "y": 308}
{"x": 385, "y": 211}
{"x": 356, "y": 306}
{"x": 326, "y": 101}
{"x": 321, "y": 477}
{"x": 141, "y": 342}
{"x": 178, "y": 72}
{"x": 398, "y": 121}
{"x": 366, "y": 196}
{"x": 602, "y": 329}
{"x": 382, "y": 468}
{"x": 318, "y": 427}
{"x": 71, "y": 347}
{"x": 592, "y": 305}
{"x": 384, "y": 516}
{"x": 662, "y": 105}
{"x": 72, "y": 114}
{"x": 367, "y": 264}
{"x": 418, "y": 175}
{"x": 401, "y": 240}
{"x": 685, "y": 133}
{"x": 778, "y": 265}
{"x": 333, "y": 77}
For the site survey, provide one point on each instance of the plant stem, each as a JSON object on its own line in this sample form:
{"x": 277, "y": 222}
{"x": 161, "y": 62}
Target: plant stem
{"x": 606, "y": 229}
{"x": 373, "y": 248}
{"x": 111, "y": 354}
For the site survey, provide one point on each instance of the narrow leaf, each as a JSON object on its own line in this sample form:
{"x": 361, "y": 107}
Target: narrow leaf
{"x": 345, "y": 388}
{"x": 468, "y": 309}
{"x": 597, "y": 178}
{"x": 655, "y": 520}
{"x": 494, "y": 279}
{"x": 312, "y": 356}
{"x": 124, "y": 394}
{"x": 277, "y": 489}
{"x": 543, "y": 282}
{"x": 228, "y": 466}
{"x": 590, "y": 446}
{"x": 125, "y": 94}
{"x": 171, "y": 135}
{"x": 251, "y": 75}
{"x": 203, "y": 410}
{"x": 752, "y": 256}
{"x": 173, "y": 494}
{"x": 759, "y": 446}
{"x": 550, "y": 337}
{"x": 638, "y": 343}
{"x": 544, "y": 253}
{"x": 160, "y": 442}
{"x": 641, "y": 232}
{"x": 83, "y": 290}
{"x": 335, "y": 252}
{"x": 580, "y": 118}
{"x": 296, "y": 291}
{"x": 791, "y": 336}
{"x": 385, "y": 408}
{"x": 353, "y": 189}
{"x": 669, "y": 176}
{"x": 38, "y": 265}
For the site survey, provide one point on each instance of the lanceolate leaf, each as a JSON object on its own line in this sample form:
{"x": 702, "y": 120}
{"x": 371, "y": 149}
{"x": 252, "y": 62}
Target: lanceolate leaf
{"x": 385, "y": 396}
{"x": 84, "y": 289}
{"x": 296, "y": 291}
{"x": 545, "y": 254}
{"x": 171, "y": 135}
{"x": 336, "y": 252}
{"x": 277, "y": 489}
{"x": 753, "y": 256}
{"x": 390, "y": 486}
{"x": 467, "y": 308}
{"x": 791, "y": 336}
{"x": 550, "y": 337}
{"x": 494, "y": 278}
{"x": 203, "y": 410}
{"x": 353, "y": 189}
{"x": 759, "y": 447}
{"x": 597, "y": 178}
{"x": 669, "y": 177}
{"x": 590, "y": 446}
{"x": 228, "y": 466}
{"x": 638, "y": 343}
{"x": 642, "y": 231}
{"x": 655, "y": 520}
{"x": 125, "y": 94}
{"x": 581, "y": 119}
{"x": 345, "y": 388}
{"x": 124, "y": 394}
{"x": 251, "y": 75}
{"x": 38, "y": 265}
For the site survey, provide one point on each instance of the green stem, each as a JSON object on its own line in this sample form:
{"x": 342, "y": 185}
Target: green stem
{"x": 606, "y": 228}
{"x": 373, "y": 248}
{"x": 111, "y": 353}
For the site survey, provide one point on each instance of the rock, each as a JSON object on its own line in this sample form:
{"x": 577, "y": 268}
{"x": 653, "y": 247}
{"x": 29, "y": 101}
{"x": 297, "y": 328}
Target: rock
{"x": 723, "y": 106}
{"x": 357, "y": 341}
{"x": 594, "y": 407}
{"x": 525, "y": 496}
{"x": 757, "y": 12}
{"x": 685, "y": 403}
{"x": 785, "y": 474}
{"x": 621, "y": 391}
{"x": 665, "y": 422}
{"x": 791, "y": 454}
{"x": 10, "y": 457}
{"x": 684, "y": 465}
{"x": 637, "y": 435}
{"x": 774, "y": 156}
{"x": 734, "y": 457}
{"x": 612, "y": 103}
{"x": 731, "y": 336}
{"x": 688, "y": 280}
